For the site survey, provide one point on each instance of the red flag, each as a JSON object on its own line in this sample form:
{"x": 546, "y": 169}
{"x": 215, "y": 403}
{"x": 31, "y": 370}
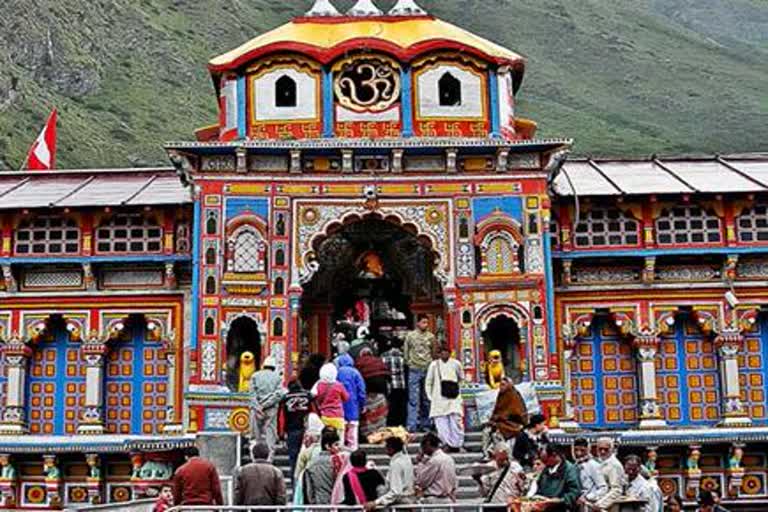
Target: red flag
{"x": 42, "y": 154}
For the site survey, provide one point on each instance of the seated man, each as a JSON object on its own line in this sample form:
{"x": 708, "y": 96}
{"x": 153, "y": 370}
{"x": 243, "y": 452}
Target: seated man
{"x": 613, "y": 472}
{"x": 504, "y": 484}
{"x": 559, "y": 481}
{"x": 641, "y": 488}
{"x": 593, "y": 485}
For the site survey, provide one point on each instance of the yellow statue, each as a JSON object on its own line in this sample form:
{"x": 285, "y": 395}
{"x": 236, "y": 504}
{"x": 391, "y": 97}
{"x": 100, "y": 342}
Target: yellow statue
{"x": 495, "y": 369}
{"x": 247, "y": 369}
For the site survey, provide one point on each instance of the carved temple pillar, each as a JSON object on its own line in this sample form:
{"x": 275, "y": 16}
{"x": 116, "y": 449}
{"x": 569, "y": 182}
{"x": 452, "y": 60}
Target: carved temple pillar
{"x": 729, "y": 343}
{"x": 94, "y": 479}
{"x": 173, "y": 423}
{"x": 735, "y": 470}
{"x": 8, "y": 482}
{"x": 52, "y": 480}
{"x": 568, "y": 420}
{"x": 16, "y": 356}
{"x": 692, "y": 472}
{"x": 452, "y": 339}
{"x": 93, "y": 353}
{"x": 9, "y": 282}
{"x": 647, "y": 345}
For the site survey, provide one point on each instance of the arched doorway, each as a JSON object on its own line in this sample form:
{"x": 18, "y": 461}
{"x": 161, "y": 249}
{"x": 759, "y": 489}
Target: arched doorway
{"x": 372, "y": 272}
{"x": 503, "y": 334}
{"x": 135, "y": 381}
{"x": 55, "y": 386}
{"x": 243, "y": 336}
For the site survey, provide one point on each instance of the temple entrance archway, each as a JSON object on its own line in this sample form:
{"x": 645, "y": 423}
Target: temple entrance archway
{"x": 374, "y": 273}
{"x": 503, "y": 334}
{"x": 243, "y": 336}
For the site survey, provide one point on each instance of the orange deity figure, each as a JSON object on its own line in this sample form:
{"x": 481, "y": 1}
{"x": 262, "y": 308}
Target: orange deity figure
{"x": 370, "y": 265}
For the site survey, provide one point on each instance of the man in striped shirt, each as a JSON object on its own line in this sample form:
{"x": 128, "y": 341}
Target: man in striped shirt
{"x": 397, "y": 389}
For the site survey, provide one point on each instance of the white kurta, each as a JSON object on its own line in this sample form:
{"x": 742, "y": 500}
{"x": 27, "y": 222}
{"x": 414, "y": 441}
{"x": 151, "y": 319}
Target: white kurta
{"x": 439, "y": 405}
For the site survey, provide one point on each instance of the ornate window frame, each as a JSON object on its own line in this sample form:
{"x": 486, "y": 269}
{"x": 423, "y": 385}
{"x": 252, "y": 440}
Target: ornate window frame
{"x": 603, "y": 227}
{"x": 239, "y": 278}
{"x": 752, "y": 224}
{"x": 246, "y": 251}
{"x": 119, "y": 234}
{"x": 497, "y": 229}
{"x": 688, "y": 225}
{"x": 47, "y": 235}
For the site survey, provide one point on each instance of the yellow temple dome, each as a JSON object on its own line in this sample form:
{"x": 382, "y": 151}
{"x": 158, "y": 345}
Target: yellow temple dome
{"x": 405, "y": 32}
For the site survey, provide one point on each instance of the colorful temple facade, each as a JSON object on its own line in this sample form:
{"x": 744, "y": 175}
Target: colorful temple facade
{"x": 366, "y": 168}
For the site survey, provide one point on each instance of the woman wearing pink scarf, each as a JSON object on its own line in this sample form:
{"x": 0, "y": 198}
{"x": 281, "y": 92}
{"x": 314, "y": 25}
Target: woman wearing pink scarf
{"x": 361, "y": 484}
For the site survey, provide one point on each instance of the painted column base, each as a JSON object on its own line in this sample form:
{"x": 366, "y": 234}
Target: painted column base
{"x": 173, "y": 428}
{"x": 13, "y": 429}
{"x": 652, "y": 424}
{"x": 569, "y": 425}
{"x": 736, "y": 421}
{"x": 91, "y": 429}
{"x": 94, "y": 490}
{"x": 7, "y": 493}
{"x": 735, "y": 478}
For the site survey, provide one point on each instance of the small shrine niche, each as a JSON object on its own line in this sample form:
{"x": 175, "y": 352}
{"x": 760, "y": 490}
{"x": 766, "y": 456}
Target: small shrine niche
{"x": 501, "y": 242}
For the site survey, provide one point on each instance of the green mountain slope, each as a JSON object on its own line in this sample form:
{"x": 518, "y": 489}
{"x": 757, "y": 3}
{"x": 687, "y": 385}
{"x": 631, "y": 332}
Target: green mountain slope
{"x": 622, "y": 77}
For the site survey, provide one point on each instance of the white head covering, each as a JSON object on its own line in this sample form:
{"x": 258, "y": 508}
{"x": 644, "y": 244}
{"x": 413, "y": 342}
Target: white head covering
{"x": 314, "y": 425}
{"x": 328, "y": 373}
{"x": 269, "y": 362}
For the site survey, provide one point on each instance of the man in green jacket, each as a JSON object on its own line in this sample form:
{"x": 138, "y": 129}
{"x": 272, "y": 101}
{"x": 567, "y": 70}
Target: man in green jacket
{"x": 559, "y": 480}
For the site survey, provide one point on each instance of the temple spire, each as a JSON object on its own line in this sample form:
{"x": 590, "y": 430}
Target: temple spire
{"x": 407, "y": 8}
{"x": 323, "y": 8}
{"x": 365, "y": 8}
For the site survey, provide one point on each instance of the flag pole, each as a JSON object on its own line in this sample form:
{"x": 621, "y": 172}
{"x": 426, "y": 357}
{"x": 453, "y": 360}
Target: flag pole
{"x": 24, "y": 164}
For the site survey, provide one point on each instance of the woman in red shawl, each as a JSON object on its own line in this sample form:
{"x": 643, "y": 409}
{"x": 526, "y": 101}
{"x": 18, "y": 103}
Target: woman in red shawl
{"x": 376, "y": 375}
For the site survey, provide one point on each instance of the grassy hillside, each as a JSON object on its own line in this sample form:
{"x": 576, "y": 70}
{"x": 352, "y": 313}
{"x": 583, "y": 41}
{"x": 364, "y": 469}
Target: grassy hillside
{"x": 620, "y": 76}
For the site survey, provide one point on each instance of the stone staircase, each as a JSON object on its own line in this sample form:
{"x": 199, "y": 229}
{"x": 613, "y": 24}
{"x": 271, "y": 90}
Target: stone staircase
{"x": 468, "y": 490}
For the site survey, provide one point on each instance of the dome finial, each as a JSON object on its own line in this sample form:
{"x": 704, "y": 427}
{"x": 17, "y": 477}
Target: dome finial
{"x": 323, "y": 8}
{"x": 407, "y": 8}
{"x": 365, "y": 8}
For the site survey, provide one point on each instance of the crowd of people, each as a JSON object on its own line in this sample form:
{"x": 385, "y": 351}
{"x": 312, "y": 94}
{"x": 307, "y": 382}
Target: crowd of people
{"x": 328, "y": 474}
{"x": 331, "y": 404}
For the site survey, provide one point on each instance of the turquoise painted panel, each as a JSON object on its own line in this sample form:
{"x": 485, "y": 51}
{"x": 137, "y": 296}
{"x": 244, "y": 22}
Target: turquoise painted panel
{"x": 258, "y": 206}
{"x": 482, "y": 207}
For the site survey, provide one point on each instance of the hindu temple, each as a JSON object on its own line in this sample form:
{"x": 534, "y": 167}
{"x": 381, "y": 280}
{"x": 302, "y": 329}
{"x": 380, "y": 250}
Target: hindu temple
{"x": 367, "y": 167}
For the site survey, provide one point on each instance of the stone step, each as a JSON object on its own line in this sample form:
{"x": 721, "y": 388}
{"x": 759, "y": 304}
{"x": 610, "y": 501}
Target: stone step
{"x": 463, "y": 481}
{"x": 468, "y": 490}
{"x": 381, "y": 459}
{"x": 471, "y": 493}
{"x": 475, "y": 447}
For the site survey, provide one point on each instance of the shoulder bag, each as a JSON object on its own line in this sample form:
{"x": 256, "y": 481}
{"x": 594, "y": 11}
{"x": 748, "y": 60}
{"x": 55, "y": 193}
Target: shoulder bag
{"x": 448, "y": 388}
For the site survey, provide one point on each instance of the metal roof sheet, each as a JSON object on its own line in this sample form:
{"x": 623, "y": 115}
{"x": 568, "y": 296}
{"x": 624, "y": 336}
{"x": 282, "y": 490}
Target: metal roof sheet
{"x": 642, "y": 178}
{"x": 585, "y": 179}
{"x": 91, "y": 188}
{"x": 7, "y": 184}
{"x": 755, "y": 169}
{"x": 43, "y": 192}
{"x": 666, "y": 176}
{"x": 712, "y": 176}
{"x": 162, "y": 190}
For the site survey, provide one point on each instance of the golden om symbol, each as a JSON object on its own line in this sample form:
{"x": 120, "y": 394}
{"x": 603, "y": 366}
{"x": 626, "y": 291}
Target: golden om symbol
{"x": 371, "y": 85}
